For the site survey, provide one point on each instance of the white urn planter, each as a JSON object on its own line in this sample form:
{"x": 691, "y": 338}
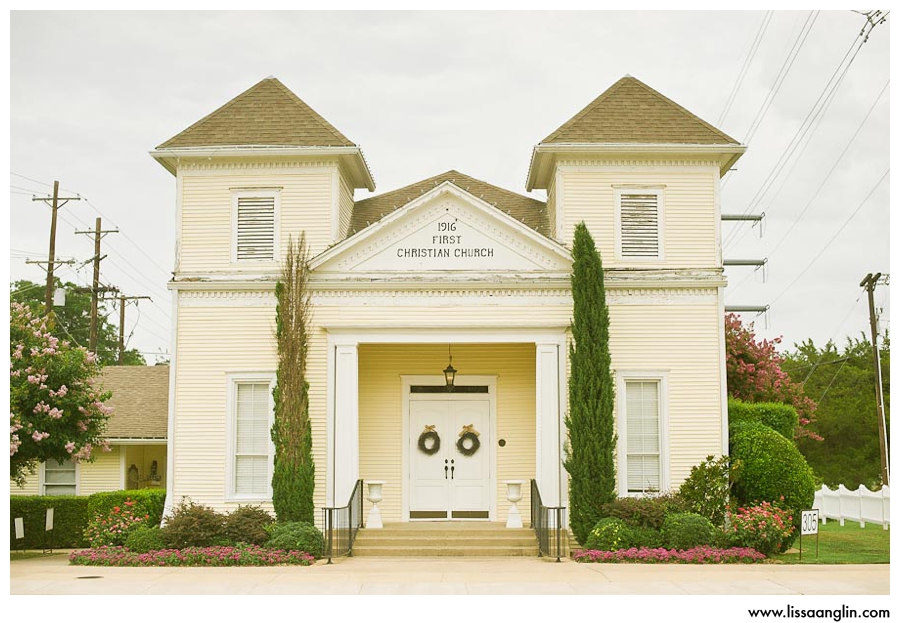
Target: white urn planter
{"x": 374, "y": 496}
{"x": 514, "y": 495}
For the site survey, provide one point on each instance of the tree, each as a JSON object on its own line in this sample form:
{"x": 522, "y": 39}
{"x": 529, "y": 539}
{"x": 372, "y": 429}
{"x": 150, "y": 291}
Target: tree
{"x": 293, "y": 478}
{"x": 591, "y": 440}
{"x": 754, "y": 374}
{"x": 73, "y": 320}
{"x": 843, "y": 384}
{"x": 56, "y": 411}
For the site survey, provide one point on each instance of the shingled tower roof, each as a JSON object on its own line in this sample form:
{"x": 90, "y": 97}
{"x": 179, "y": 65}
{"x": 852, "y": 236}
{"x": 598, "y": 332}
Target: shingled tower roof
{"x": 631, "y": 112}
{"x": 266, "y": 114}
{"x": 531, "y": 212}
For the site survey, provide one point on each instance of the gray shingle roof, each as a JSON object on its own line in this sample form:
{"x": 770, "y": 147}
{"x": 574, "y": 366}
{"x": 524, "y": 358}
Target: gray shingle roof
{"x": 140, "y": 401}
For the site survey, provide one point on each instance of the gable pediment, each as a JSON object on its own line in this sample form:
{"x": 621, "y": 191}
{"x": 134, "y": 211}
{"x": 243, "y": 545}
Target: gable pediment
{"x": 446, "y": 231}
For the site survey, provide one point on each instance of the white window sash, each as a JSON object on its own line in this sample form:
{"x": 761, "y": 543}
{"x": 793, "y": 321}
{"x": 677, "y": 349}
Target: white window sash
{"x": 250, "y": 464}
{"x": 638, "y": 450}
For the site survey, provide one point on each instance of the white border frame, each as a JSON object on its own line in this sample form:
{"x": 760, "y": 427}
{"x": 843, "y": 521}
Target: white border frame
{"x": 659, "y": 191}
{"x": 662, "y": 377}
{"x": 232, "y": 379}
{"x": 264, "y": 192}
{"x": 408, "y": 380}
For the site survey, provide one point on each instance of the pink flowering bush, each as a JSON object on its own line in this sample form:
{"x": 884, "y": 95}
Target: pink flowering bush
{"x": 697, "y": 555}
{"x": 113, "y": 527}
{"x": 214, "y": 556}
{"x": 754, "y": 374}
{"x": 764, "y": 527}
{"x": 55, "y": 411}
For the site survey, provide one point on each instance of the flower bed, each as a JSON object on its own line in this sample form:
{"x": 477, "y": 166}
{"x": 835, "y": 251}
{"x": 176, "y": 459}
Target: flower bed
{"x": 696, "y": 555}
{"x": 216, "y": 556}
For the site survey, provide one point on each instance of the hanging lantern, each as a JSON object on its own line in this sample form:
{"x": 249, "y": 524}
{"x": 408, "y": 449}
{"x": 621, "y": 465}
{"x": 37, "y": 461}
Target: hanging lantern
{"x": 449, "y": 372}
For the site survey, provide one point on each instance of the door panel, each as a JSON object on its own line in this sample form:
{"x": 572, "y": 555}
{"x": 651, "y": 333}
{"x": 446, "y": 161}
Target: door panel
{"x": 430, "y": 485}
{"x": 470, "y": 486}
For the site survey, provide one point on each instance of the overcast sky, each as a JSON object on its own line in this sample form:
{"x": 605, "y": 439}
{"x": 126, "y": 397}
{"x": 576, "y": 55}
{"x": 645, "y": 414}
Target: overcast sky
{"x": 93, "y": 92}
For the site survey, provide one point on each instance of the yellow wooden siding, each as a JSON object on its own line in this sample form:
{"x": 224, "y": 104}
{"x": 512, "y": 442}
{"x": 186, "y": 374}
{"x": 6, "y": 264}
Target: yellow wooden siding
{"x": 212, "y": 342}
{"x": 206, "y": 230}
{"x": 551, "y": 208}
{"x": 381, "y": 440}
{"x": 30, "y": 487}
{"x": 689, "y": 205}
{"x": 103, "y": 474}
{"x": 682, "y": 341}
{"x": 345, "y": 204}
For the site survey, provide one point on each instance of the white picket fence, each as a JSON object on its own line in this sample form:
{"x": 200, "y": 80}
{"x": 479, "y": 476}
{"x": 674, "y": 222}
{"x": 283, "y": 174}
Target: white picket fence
{"x": 861, "y": 505}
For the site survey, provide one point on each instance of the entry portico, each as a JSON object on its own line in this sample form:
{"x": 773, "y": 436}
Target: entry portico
{"x": 463, "y": 266}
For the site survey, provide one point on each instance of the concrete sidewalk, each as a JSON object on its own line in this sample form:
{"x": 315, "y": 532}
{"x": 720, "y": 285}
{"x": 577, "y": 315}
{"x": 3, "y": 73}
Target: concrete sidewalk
{"x": 485, "y": 576}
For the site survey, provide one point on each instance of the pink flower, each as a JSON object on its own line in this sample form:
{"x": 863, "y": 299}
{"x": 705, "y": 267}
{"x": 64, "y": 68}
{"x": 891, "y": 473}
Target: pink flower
{"x": 70, "y": 447}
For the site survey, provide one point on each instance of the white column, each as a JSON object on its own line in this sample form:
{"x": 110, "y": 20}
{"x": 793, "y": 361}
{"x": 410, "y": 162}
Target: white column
{"x": 343, "y": 450}
{"x": 549, "y": 422}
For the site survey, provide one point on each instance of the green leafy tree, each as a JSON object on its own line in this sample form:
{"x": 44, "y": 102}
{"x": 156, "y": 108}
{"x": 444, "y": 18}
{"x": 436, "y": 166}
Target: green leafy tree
{"x": 293, "y": 478}
{"x": 591, "y": 441}
{"x": 73, "y": 320}
{"x": 56, "y": 411}
{"x": 843, "y": 384}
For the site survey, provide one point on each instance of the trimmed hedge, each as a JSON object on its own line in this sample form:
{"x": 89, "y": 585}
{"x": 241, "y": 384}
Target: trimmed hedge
{"x": 146, "y": 502}
{"x": 70, "y": 518}
{"x": 684, "y": 531}
{"x": 772, "y": 468}
{"x": 781, "y": 418}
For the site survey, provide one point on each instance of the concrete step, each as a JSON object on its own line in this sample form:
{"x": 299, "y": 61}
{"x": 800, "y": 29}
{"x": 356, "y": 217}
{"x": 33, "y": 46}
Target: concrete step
{"x": 477, "y": 550}
{"x": 446, "y": 541}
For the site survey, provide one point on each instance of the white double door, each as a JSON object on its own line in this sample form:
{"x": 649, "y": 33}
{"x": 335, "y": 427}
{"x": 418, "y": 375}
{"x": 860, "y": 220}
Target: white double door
{"x": 448, "y": 484}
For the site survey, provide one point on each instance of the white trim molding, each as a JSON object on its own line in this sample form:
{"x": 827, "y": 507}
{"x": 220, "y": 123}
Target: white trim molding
{"x": 42, "y": 483}
{"x": 661, "y": 377}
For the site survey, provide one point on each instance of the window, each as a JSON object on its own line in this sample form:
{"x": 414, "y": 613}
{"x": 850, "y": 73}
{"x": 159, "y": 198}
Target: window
{"x": 255, "y": 230}
{"x": 250, "y": 464}
{"x": 639, "y": 215}
{"x": 60, "y": 478}
{"x": 642, "y": 435}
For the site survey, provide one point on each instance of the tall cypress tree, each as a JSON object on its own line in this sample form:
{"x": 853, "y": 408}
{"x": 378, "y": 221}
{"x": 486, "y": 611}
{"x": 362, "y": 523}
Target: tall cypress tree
{"x": 591, "y": 443}
{"x": 293, "y": 479}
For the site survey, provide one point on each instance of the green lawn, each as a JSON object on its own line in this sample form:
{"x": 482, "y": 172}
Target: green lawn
{"x": 20, "y": 555}
{"x": 849, "y": 544}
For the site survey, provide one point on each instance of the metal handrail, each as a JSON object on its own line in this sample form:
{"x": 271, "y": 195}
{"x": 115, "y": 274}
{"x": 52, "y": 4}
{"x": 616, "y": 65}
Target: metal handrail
{"x": 341, "y": 523}
{"x": 548, "y": 523}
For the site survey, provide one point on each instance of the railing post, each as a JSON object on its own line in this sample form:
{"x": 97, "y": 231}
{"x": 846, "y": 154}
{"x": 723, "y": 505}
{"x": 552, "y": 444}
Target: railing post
{"x": 329, "y": 527}
{"x": 558, "y": 531}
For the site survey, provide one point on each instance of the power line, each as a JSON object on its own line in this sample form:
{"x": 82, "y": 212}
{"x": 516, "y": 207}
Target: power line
{"x": 834, "y": 237}
{"x": 751, "y": 54}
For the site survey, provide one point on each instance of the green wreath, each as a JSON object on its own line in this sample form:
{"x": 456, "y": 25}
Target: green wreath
{"x": 429, "y": 434}
{"x": 468, "y": 434}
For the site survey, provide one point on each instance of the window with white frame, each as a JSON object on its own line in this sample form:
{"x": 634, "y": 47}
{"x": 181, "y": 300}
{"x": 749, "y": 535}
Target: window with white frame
{"x": 639, "y": 220}
{"x": 60, "y": 477}
{"x": 255, "y": 225}
{"x": 251, "y": 456}
{"x": 641, "y": 428}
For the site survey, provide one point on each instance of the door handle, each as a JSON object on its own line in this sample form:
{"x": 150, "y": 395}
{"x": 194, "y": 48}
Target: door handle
{"x": 452, "y": 469}
{"x": 445, "y": 469}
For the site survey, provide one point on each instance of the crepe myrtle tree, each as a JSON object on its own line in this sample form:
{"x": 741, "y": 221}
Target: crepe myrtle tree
{"x": 55, "y": 409}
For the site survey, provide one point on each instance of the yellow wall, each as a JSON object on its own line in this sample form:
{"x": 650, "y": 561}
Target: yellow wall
{"x": 381, "y": 441}
{"x": 103, "y": 474}
{"x": 691, "y": 219}
{"x": 206, "y": 243}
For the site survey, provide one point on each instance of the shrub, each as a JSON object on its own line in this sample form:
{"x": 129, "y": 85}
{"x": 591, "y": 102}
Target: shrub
{"x": 644, "y": 512}
{"x": 297, "y": 536}
{"x": 707, "y": 489}
{"x": 145, "y": 539}
{"x": 146, "y": 502}
{"x": 114, "y": 526}
{"x": 248, "y": 524}
{"x": 682, "y": 531}
{"x": 216, "y": 556}
{"x": 609, "y": 534}
{"x": 194, "y": 525}
{"x": 772, "y": 469}
{"x": 70, "y": 518}
{"x": 766, "y": 528}
{"x": 697, "y": 555}
{"x": 645, "y": 537}
{"x": 781, "y": 418}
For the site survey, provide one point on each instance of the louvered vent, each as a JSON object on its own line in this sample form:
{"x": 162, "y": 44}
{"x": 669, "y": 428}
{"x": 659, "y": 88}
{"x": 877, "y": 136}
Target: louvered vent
{"x": 256, "y": 229}
{"x": 640, "y": 225}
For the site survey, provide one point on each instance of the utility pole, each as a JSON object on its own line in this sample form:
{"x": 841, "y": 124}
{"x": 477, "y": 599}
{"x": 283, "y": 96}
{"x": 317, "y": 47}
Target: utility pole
{"x": 98, "y": 233}
{"x": 55, "y": 205}
{"x": 122, "y": 299}
{"x": 869, "y": 283}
